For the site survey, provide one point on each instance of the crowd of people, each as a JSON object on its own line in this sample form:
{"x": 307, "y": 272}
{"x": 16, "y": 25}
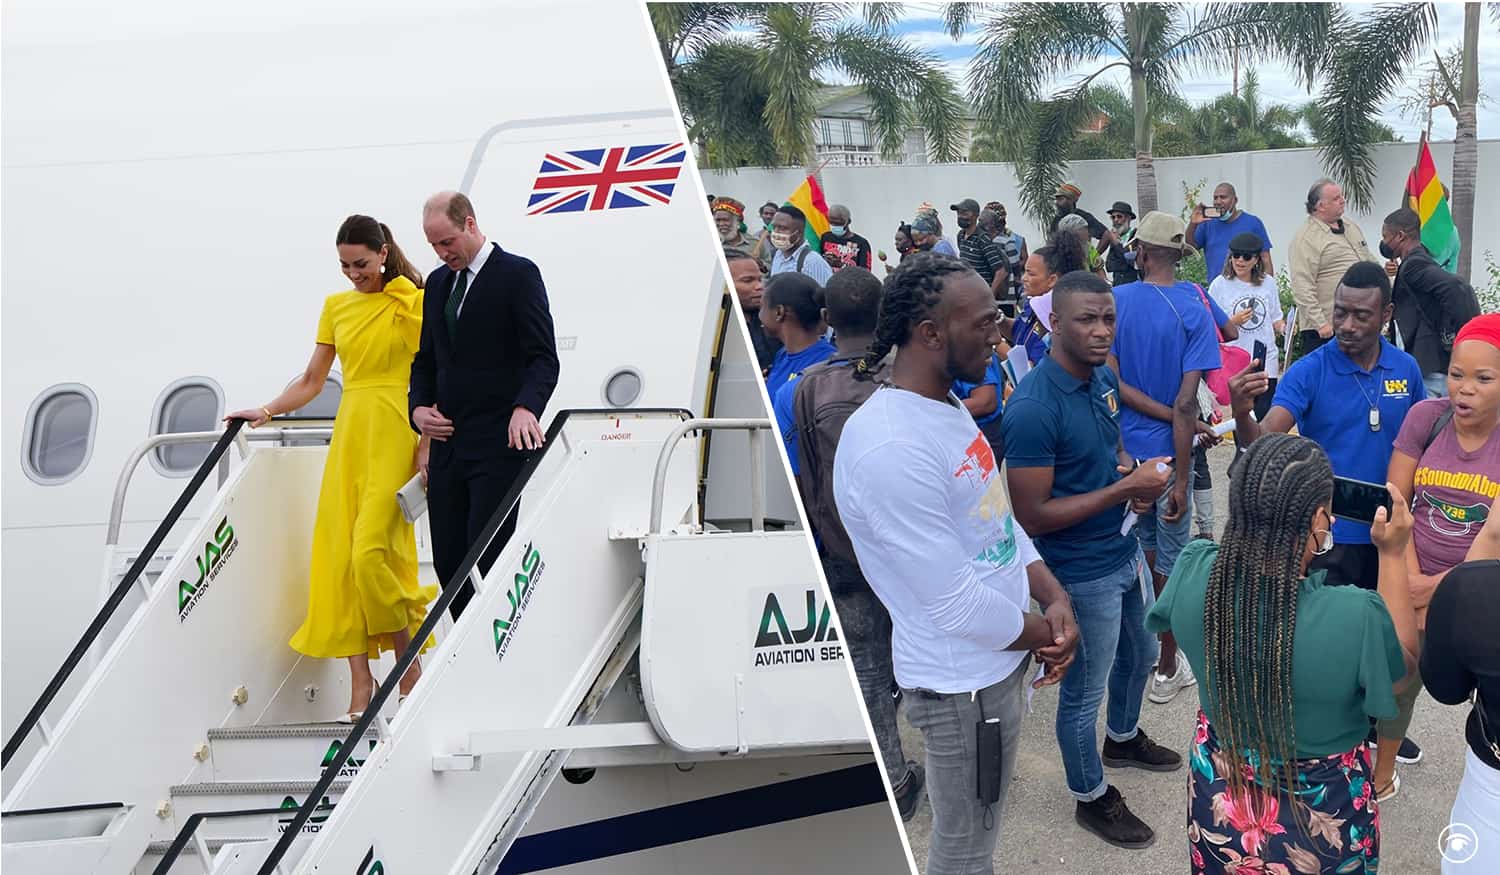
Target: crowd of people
{"x": 990, "y": 426}
{"x": 449, "y": 386}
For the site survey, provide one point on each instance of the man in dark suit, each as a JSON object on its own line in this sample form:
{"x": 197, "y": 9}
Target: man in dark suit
{"x": 481, "y": 379}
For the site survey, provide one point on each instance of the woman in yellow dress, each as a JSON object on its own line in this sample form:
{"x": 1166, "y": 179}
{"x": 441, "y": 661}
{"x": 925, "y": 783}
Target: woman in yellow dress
{"x": 363, "y": 596}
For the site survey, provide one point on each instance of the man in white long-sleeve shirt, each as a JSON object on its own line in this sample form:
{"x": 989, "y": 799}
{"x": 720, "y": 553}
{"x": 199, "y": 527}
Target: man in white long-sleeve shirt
{"x": 921, "y": 494}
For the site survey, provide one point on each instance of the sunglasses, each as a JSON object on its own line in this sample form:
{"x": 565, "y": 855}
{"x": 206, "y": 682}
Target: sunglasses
{"x": 1244, "y": 256}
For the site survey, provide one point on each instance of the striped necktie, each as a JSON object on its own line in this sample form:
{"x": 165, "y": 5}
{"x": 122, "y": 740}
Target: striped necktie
{"x": 456, "y": 297}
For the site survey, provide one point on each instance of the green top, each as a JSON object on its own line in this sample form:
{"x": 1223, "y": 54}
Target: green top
{"x": 1345, "y": 654}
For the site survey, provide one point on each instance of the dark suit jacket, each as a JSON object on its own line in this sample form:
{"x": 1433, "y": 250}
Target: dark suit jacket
{"x": 505, "y": 355}
{"x": 1431, "y": 305}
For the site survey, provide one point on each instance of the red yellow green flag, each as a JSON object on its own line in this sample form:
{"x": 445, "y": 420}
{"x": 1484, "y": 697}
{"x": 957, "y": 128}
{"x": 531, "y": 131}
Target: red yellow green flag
{"x": 809, "y": 199}
{"x": 1424, "y": 192}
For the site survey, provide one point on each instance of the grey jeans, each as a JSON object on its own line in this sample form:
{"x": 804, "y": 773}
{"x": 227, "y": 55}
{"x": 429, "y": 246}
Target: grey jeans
{"x": 964, "y": 832}
{"x": 866, "y": 626}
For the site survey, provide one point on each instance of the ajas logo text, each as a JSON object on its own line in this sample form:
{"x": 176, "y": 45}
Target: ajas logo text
{"x": 519, "y": 596}
{"x": 777, "y": 644}
{"x": 216, "y": 553}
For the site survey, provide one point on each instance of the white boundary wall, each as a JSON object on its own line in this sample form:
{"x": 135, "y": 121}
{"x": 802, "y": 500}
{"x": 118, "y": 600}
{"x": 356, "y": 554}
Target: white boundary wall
{"x": 1272, "y": 185}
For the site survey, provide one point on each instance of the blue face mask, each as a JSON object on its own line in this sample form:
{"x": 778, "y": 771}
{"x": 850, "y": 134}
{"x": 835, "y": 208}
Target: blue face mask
{"x": 838, "y": 230}
{"x": 1224, "y": 217}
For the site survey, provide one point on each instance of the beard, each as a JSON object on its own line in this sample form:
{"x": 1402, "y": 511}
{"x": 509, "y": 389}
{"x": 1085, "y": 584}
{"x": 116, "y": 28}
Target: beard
{"x": 962, "y": 371}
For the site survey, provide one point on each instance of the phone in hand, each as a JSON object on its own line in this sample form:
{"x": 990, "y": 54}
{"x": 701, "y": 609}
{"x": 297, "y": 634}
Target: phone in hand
{"x": 1358, "y": 500}
{"x": 1212, "y": 212}
{"x": 1258, "y": 357}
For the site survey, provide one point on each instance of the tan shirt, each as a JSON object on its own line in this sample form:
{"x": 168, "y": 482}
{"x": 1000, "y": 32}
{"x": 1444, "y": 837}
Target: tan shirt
{"x": 1319, "y": 258}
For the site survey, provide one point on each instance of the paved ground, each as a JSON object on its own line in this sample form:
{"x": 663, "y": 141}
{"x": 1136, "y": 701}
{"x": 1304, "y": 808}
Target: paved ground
{"x": 1038, "y": 833}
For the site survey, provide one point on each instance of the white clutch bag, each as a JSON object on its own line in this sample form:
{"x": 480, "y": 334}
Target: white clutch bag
{"x": 413, "y": 499}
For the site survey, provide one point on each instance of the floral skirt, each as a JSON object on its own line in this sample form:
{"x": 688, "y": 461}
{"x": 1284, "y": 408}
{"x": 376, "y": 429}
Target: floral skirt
{"x": 1260, "y": 832}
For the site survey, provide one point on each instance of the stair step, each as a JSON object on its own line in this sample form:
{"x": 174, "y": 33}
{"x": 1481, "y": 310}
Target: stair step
{"x": 285, "y": 730}
{"x": 293, "y": 752}
{"x": 158, "y": 848}
{"x": 252, "y": 788}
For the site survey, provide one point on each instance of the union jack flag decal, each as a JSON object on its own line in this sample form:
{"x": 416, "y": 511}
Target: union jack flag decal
{"x": 606, "y": 179}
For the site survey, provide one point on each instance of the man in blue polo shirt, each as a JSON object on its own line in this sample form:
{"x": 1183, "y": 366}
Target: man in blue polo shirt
{"x": 1164, "y": 345}
{"x": 1351, "y": 397}
{"x": 1213, "y": 233}
{"x": 1070, "y": 480}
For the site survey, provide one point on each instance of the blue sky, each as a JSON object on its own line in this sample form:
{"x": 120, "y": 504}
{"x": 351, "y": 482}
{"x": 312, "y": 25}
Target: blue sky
{"x": 922, "y": 23}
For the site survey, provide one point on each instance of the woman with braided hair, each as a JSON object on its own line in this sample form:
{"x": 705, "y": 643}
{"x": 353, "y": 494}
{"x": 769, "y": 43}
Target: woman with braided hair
{"x": 1281, "y": 779}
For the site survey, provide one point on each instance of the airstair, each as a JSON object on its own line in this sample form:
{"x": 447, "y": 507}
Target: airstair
{"x": 618, "y": 641}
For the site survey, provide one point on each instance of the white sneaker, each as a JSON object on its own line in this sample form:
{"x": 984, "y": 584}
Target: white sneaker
{"x": 1164, "y": 689}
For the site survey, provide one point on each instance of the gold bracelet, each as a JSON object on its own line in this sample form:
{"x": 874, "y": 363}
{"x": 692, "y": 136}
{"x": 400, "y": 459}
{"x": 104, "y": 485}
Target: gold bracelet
{"x": 267, "y": 412}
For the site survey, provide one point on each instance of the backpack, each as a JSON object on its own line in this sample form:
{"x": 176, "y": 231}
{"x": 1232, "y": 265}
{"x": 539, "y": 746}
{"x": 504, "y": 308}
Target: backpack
{"x": 827, "y": 395}
{"x": 1437, "y": 427}
{"x": 1232, "y": 359}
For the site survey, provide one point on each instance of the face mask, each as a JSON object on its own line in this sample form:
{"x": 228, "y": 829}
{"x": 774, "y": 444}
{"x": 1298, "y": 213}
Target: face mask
{"x": 1386, "y": 251}
{"x": 965, "y": 223}
{"x": 1325, "y": 539}
{"x": 781, "y": 239}
{"x": 838, "y": 230}
{"x": 1224, "y": 216}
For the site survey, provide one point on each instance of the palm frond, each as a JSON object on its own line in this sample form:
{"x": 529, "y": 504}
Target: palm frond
{"x": 906, "y": 87}
{"x": 1025, "y": 46}
{"x": 1363, "y": 71}
{"x": 1048, "y": 141}
{"x": 881, "y": 16}
{"x": 790, "y": 48}
{"x": 957, "y": 17}
{"x": 722, "y": 101}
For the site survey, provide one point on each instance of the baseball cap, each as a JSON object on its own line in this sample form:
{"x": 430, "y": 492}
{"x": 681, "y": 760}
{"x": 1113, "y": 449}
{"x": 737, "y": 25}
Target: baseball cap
{"x": 968, "y": 204}
{"x": 1161, "y": 229}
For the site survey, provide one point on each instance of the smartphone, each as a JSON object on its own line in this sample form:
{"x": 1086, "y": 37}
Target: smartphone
{"x": 1358, "y": 500}
{"x": 1212, "y": 212}
{"x": 1258, "y": 355}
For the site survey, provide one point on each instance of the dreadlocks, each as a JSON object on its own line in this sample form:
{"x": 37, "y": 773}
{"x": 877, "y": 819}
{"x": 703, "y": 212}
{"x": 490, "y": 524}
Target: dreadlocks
{"x": 911, "y": 292}
{"x": 1250, "y": 607}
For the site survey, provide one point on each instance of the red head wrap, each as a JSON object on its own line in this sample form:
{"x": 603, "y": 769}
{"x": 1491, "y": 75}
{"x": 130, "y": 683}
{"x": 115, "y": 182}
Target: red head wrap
{"x": 1485, "y": 329}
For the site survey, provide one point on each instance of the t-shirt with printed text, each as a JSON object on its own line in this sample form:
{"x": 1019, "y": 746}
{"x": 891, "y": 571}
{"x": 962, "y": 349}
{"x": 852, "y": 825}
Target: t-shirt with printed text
{"x": 1453, "y": 491}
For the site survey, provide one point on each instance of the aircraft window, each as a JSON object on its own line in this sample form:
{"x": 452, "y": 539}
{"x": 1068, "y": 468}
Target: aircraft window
{"x": 191, "y": 404}
{"x": 59, "y": 433}
{"x": 324, "y": 406}
{"x": 623, "y": 387}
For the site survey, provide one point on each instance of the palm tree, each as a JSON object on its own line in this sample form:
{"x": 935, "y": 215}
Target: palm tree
{"x": 1365, "y": 68}
{"x": 745, "y": 78}
{"x": 1262, "y": 126}
{"x": 1025, "y": 46}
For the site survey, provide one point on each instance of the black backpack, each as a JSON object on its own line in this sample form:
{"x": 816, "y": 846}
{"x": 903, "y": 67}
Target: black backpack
{"x": 827, "y": 395}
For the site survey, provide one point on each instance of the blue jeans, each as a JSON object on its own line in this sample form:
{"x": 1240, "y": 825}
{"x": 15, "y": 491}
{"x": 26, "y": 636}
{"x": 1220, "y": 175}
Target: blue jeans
{"x": 1436, "y": 384}
{"x": 1165, "y": 539}
{"x": 1115, "y": 652}
{"x": 964, "y": 832}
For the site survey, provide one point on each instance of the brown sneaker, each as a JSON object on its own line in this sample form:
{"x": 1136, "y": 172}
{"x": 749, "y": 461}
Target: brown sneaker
{"x": 1109, "y": 819}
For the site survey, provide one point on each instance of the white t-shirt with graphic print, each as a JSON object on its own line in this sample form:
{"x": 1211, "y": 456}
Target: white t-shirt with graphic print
{"x": 1234, "y": 295}
{"x": 924, "y": 501}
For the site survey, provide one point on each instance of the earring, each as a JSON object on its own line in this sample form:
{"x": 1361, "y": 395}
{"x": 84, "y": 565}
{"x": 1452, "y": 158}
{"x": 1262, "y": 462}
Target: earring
{"x": 382, "y": 267}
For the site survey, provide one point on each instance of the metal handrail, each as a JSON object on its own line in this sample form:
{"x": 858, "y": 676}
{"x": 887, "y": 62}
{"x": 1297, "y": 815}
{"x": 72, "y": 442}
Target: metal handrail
{"x": 190, "y": 829}
{"x": 757, "y": 462}
{"x": 435, "y": 613}
{"x": 315, "y": 428}
{"x": 117, "y": 596}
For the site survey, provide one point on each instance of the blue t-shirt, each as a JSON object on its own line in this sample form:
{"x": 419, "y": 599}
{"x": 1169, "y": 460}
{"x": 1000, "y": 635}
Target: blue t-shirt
{"x": 1055, "y": 420}
{"x": 786, "y": 364}
{"x": 1027, "y": 330}
{"x": 1213, "y": 238}
{"x": 1330, "y": 398}
{"x": 783, "y": 396}
{"x": 1162, "y": 332}
{"x": 992, "y": 377}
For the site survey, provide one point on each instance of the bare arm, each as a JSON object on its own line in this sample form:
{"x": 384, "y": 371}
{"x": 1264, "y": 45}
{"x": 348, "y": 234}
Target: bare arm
{"x": 1039, "y": 513}
{"x": 1137, "y": 400}
{"x": 1184, "y": 426}
{"x": 983, "y": 401}
{"x": 302, "y": 390}
{"x": 1265, "y": 263}
{"x": 1487, "y": 544}
{"x": 1391, "y": 536}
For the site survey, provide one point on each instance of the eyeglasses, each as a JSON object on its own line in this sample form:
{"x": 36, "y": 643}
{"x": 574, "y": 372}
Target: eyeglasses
{"x": 1244, "y": 256}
